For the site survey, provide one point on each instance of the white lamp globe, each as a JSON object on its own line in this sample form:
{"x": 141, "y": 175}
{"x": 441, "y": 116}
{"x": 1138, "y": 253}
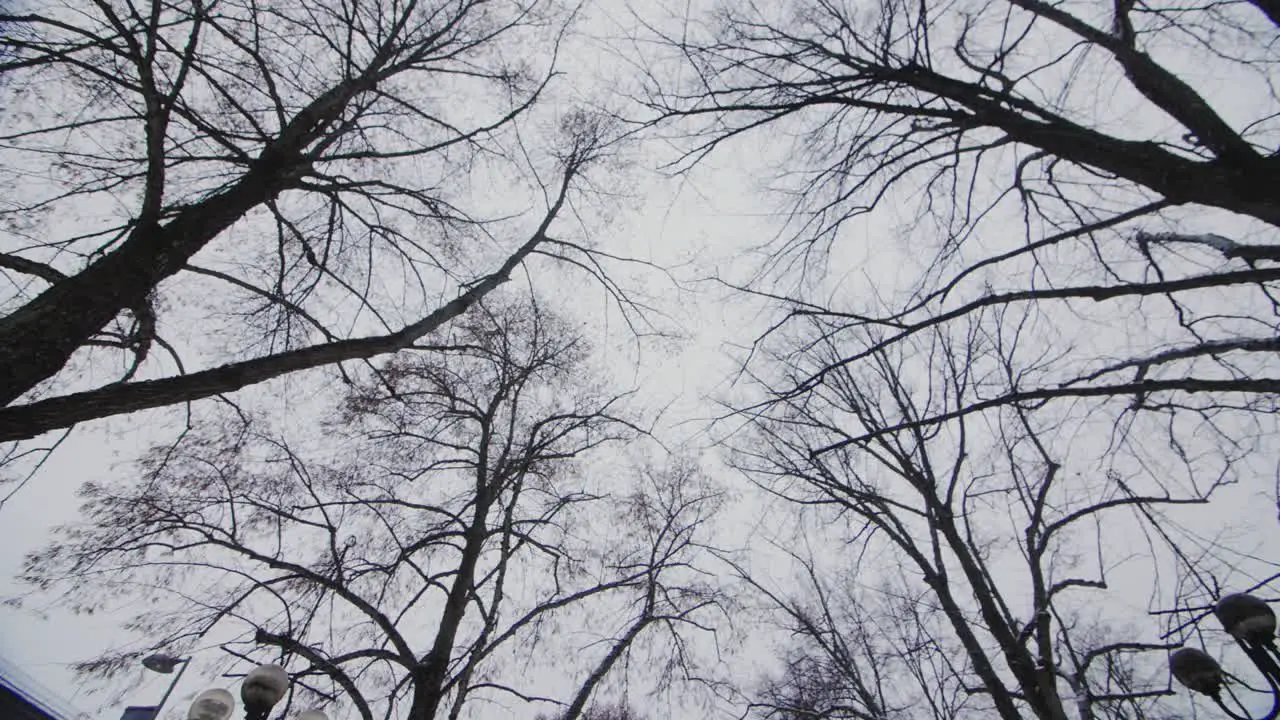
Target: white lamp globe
{"x": 262, "y": 688}
{"x": 216, "y": 704}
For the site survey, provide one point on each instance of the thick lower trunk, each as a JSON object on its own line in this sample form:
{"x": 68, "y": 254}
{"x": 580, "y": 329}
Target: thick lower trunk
{"x": 430, "y": 674}
{"x": 426, "y": 694}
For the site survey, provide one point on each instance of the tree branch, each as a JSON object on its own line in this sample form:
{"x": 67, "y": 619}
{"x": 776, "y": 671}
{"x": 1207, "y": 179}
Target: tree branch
{"x": 26, "y": 421}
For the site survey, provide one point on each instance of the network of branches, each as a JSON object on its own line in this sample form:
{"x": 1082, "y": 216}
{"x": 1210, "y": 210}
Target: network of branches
{"x": 1016, "y": 356}
{"x": 1028, "y": 284}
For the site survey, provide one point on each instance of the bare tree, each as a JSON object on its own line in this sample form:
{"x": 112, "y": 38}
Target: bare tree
{"x": 1062, "y": 330}
{"x": 984, "y": 567}
{"x": 303, "y": 169}
{"x": 666, "y": 512}
{"x": 437, "y": 540}
{"x": 1062, "y": 167}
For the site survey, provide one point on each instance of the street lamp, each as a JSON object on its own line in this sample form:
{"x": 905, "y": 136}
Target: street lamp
{"x": 165, "y": 665}
{"x": 212, "y": 704}
{"x": 261, "y": 690}
{"x": 1253, "y": 625}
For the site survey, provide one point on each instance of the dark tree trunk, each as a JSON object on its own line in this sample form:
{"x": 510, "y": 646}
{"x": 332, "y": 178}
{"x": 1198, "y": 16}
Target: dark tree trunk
{"x": 38, "y": 339}
{"x": 1270, "y": 7}
{"x": 1245, "y": 182}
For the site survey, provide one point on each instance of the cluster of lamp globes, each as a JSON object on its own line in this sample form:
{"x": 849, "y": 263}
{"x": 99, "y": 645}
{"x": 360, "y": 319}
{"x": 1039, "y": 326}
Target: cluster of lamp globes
{"x": 261, "y": 689}
{"x": 1252, "y": 623}
{"x": 1246, "y": 618}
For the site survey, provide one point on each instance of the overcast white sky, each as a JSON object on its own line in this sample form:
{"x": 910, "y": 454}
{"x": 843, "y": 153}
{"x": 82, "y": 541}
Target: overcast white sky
{"x": 698, "y": 224}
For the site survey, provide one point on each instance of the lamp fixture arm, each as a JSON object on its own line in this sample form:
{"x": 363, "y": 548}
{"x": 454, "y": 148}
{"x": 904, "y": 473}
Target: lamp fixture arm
{"x": 173, "y": 684}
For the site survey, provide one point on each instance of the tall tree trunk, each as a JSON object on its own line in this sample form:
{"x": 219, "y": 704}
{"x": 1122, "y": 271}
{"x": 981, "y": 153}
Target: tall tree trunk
{"x": 38, "y": 339}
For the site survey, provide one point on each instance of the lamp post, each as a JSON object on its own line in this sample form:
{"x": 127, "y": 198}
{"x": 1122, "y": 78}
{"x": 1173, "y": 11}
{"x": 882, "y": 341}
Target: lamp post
{"x": 1252, "y": 623}
{"x": 212, "y": 704}
{"x": 263, "y": 688}
{"x": 165, "y": 665}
